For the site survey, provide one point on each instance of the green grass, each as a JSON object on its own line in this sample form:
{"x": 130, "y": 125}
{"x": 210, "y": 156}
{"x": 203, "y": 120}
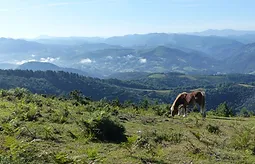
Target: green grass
{"x": 35, "y": 129}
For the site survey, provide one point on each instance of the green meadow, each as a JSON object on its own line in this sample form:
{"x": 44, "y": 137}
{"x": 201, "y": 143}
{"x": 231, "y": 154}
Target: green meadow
{"x": 47, "y": 129}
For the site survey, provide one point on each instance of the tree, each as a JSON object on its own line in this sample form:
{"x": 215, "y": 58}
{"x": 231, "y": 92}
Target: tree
{"x": 76, "y": 95}
{"x": 224, "y": 111}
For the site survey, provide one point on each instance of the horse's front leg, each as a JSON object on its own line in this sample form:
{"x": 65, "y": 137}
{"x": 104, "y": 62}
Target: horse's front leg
{"x": 179, "y": 112}
{"x": 185, "y": 111}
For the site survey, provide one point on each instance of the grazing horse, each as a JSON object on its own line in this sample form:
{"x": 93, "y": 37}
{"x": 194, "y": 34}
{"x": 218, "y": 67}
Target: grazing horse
{"x": 184, "y": 99}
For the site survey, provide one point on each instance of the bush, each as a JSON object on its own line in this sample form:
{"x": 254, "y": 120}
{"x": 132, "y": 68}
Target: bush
{"x": 244, "y": 112}
{"x": 161, "y": 110}
{"x": 104, "y": 128}
{"x": 213, "y": 129}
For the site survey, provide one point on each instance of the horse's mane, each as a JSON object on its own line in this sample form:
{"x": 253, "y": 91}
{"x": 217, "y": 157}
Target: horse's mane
{"x": 178, "y": 98}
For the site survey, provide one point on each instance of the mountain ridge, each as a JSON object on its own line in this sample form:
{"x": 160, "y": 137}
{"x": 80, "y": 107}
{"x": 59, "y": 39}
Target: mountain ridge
{"x": 44, "y": 66}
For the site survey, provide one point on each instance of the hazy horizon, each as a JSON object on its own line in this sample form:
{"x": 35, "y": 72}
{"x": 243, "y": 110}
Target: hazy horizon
{"x": 45, "y": 36}
{"x": 106, "y": 18}
{"x": 188, "y": 33}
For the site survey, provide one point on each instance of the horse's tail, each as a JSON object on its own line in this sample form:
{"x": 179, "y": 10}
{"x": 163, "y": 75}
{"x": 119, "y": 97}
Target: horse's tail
{"x": 203, "y": 93}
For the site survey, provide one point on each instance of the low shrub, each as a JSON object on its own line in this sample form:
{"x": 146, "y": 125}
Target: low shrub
{"x": 213, "y": 129}
{"x": 104, "y": 128}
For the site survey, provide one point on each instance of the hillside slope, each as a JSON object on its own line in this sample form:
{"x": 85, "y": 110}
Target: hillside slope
{"x": 40, "y": 129}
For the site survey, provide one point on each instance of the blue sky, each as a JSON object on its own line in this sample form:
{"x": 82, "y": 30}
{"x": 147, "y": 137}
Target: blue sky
{"x": 31, "y": 18}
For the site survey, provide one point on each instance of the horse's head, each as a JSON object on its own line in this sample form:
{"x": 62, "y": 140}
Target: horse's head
{"x": 174, "y": 110}
{"x": 178, "y": 101}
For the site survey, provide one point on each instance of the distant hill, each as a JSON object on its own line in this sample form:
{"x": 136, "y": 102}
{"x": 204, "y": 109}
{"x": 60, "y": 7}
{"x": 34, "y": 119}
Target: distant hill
{"x": 158, "y": 59}
{"x": 224, "y": 32}
{"x": 8, "y": 45}
{"x": 243, "y": 61}
{"x": 67, "y": 40}
{"x": 44, "y": 66}
{"x": 246, "y": 39}
{"x": 39, "y": 66}
{"x": 207, "y": 44}
{"x": 242, "y": 36}
{"x": 85, "y": 47}
{"x": 164, "y": 59}
{"x": 7, "y": 66}
{"x": 154, "y": 52}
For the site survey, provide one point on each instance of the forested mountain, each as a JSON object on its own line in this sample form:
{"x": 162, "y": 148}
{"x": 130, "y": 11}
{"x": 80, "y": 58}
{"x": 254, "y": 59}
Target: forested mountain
{"x": 61, "y": 83}
{"x": 237, "y": 89}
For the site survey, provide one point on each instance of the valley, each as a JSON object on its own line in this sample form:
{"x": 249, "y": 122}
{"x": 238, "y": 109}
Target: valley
{"x": 154, "y": 52}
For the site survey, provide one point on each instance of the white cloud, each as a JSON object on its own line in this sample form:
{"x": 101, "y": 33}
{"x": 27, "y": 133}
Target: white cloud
{"x": 49, "y": 59}
{"x": 128, "y": 56}
{"x": 86, "y": 61}
{"x": 24, "y": 61}
{"x": 33, "y": 55}
{"x": 143, "y": 60}
{"x": 109, "y": 57}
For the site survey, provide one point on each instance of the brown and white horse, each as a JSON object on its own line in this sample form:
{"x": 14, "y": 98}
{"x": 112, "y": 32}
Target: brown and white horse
{"x": 185, "y": 99}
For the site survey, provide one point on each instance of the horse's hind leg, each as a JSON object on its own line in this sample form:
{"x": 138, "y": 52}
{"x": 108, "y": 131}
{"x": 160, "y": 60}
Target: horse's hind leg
{"x": 202, "y": 108}
{"x": 179, "y": 111}
{"x": 185, "y": 111}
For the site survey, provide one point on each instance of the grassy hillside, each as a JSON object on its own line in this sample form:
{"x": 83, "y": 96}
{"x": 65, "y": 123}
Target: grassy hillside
{"x": 39, "y": 129}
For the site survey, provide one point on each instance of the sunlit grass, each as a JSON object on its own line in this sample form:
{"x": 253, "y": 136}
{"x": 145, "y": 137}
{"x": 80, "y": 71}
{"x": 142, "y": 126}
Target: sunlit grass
{"x": 53, "y": 133}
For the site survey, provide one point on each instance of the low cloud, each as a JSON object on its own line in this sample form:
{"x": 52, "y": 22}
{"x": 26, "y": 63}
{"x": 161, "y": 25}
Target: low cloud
{"x": 49, "y": 59}
{"x": 25, "y": 61}
{"x": 130, "y": 56}
{"x": 86, "y": 61}
{"x": 109, "y": 57}
{"x": 143, "y": 60}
